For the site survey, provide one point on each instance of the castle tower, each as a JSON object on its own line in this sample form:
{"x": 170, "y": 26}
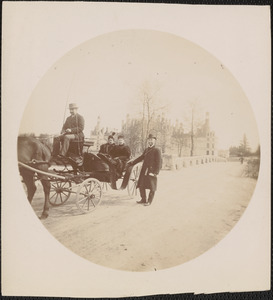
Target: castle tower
{"x": 207, "y": 125}
{"x": 97, "y": 129}
{"x": 98, "y": 132}
{"x": 128, "y": 119}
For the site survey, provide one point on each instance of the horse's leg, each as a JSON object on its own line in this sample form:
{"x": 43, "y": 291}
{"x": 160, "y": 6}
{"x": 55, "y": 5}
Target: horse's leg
{"x": 28, "y": 178}
{"x": 46, "y": 186}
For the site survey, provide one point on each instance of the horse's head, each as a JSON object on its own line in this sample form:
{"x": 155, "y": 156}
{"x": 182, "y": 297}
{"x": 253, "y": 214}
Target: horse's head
{"x": 30, "y": 148}
{"x": 47, "y": 140}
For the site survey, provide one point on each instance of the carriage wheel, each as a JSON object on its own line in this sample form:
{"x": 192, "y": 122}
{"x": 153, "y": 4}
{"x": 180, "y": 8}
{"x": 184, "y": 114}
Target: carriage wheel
{"x": 59, "y": 192}
{"x": 89, "y": 195}
{"x": 132, "y": 183}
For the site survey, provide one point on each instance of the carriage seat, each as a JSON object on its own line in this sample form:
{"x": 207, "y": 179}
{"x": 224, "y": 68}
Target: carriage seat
{"x": 116, "y": 166}
{"x": 88, "y": 144}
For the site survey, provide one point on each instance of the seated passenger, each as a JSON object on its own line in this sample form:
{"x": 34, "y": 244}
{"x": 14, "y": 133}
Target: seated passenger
{"x": 108, "y": 147}
{"x": 120, "y": 154}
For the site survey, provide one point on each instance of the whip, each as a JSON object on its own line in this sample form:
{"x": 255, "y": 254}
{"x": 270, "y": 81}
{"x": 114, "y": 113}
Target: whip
{"x": 69, "y": 89}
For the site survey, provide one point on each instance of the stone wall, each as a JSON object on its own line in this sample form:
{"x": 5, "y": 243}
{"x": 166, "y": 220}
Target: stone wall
{"x": 171, "y": 162}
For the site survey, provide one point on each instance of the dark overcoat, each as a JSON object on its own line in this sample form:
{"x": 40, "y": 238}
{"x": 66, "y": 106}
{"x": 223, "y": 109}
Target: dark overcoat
{"x": 106, "y": 148}
{"x": 152, "y": 163}
{"x": 76, "y": 124}
{"x": 123, "y": 152}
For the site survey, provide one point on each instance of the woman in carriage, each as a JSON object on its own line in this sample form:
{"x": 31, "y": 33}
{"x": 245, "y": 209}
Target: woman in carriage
{"x": 108, "y": 147}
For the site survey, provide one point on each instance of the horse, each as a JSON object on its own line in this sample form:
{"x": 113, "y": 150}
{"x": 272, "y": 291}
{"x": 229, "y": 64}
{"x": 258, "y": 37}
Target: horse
{"x": 30, "y": 149}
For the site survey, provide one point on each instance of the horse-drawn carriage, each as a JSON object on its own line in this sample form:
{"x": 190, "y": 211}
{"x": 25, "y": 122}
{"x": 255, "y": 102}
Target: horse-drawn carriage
{"x": 87, "y": 179}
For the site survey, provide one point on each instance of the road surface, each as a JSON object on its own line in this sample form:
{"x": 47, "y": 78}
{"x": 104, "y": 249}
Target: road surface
{"x": 194, "y": 208}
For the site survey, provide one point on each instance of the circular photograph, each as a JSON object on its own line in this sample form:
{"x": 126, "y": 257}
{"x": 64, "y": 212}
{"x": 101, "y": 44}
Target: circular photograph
{"x": 138, "y": 150}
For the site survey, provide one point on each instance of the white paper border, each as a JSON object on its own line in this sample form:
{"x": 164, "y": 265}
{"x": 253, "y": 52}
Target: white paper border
{"x": 35, "y": 35}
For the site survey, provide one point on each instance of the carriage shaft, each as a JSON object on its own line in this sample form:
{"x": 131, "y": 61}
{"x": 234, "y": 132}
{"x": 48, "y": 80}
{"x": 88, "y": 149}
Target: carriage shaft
{"x": 40, "y": 172}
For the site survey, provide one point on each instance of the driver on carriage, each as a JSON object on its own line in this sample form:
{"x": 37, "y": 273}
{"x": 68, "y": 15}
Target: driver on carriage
{"x": 72, "y": 130}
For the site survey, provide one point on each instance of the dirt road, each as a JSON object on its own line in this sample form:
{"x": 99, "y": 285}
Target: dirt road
{"x": 193, "y": 209}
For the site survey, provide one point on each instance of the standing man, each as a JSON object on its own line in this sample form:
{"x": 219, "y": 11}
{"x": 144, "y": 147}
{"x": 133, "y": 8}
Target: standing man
{"x": 72, "y": 131}
{"x": 109, "y": 146}
{"x": 152, "y": 163}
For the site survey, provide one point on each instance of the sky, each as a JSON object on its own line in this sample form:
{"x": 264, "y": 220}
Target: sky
{"x": 107, "y": 75}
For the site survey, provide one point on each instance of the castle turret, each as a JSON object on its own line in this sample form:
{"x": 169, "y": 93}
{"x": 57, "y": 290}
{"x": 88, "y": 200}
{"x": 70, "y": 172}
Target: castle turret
{"x": 97, "y": 129}
{"x": 207, "y": 125}
{"x": 98, "y": 132}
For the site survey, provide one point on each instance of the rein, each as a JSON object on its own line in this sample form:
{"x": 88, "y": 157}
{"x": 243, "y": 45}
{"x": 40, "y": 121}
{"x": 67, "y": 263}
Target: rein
{"x": 26, "y": 166}
{"x": 79, "y": 151}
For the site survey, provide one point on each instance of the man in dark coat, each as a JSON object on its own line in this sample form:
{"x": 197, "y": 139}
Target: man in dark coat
{"x": 72, "y": 131}
{"x": 109, "y": 146}
{"x": 121, "y": 153}
{"x": 152, "y": 163}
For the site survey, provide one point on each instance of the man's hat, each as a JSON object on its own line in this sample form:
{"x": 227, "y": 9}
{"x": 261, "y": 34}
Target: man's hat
{"x": 151, "y": 136}
{"x": 121, "y": 136}
{"x": 73, "y": 105}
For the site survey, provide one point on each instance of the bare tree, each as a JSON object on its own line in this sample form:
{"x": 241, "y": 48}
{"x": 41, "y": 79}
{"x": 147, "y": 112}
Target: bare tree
{"x": 151, "y": 107}
{"x": 148, "y": 119}
{"x": 244, "y": 146}
{"x": 194, "y": 120}
{"x": 132, "y": 134}
{"x": 178, "y": 137}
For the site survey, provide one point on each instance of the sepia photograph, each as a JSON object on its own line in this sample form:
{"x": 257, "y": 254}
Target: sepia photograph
{"x": 137, "y": 150}
{"x": 135, "y": 110}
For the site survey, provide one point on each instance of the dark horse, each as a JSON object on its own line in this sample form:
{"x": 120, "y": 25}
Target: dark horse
{"x": 30, "y": 149}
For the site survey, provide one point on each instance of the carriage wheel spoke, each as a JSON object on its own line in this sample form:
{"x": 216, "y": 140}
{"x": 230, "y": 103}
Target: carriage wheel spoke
{"x": 93, "y": 188}
{"x": 83, "y": 193}
{"x": 132, "y": 184}
{"x": 63, "y": 184}
{"x": 65, "y": 193}
{"x": 90, "y": 188}
{"x": 53, "y": 195}
{"x": 93, "y": 203}
{"x": 85, "y": 202}
{"x": 87, "y": 192}
{"x": 56, "y": 198}
{"x": 83, "y": 199}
